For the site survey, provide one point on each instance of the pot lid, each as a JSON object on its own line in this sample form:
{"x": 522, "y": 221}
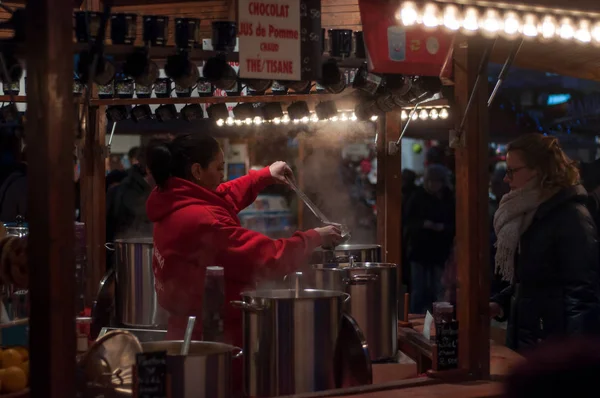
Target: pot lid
{"x": 109, "y": 361}
{"x": 141, "y": 239}
{"x": 352, "y": 362}
{"x": 293, "y": 294}
{"x": 350, "y": 247}
{"x": 346, "y": 266}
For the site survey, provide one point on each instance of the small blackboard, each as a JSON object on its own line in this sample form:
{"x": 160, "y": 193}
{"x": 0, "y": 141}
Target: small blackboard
{"x": 446, "y": 339}
{"x": 152, "y": 374}
{"x": 310, "y": 39}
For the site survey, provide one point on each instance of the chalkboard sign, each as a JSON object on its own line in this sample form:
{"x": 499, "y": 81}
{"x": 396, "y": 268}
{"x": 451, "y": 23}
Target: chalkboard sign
{"x": 152, "y": 374}
{"x": 310, "y": 39}
{"x": 446, "y": 338}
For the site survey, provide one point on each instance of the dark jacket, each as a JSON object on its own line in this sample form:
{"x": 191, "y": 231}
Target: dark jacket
{"x": 126, "y": 207}
{"x": 556, "y": 287}
{"x": 426, "y": 246}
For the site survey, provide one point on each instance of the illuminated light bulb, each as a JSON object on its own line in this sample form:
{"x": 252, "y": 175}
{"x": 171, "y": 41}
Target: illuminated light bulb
{"x": 277, "y": 120}
{"x": 408, "y": 14}
{"x": 403, "y": 115}
{"x": 566, "y": 30}
{"x": 512, "y": 23}
{"x": 248, "y": 121}
{"x": 353, "y": 117}
{"x": 434, "y": 114}
{"x": 305, "y": 119}
{"x": 285, "y": 119}
{"x": 444, "y": 113}
{"x": 344, "y": 117}
{"x": 431, "y": 15}
{"x": 548, "y": 27}
{"x": 238, "y": 122}
{"x": 314, "y": 118}
{"x": 415, "y": 115}
{"x": 491, "y": 22}
{"x": 471, "y": 21}
{"x": 423, "y": 115}
{"x": 296, "y": 121}
{"x": 229, "y": 121}
{"x": 596, "y": 32}
{"x": 374, "y": 118}
{"x": 583, "y": 33}
{"x": 530, "y": 25}
{"x": 334, "y": 119}
{"x": 258, "y": 120}
{"x": 220, "y": 122}
{"x": 452, "y": 17}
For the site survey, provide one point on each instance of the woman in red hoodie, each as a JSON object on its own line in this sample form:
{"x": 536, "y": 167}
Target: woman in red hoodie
{"x": 196, "y": 226}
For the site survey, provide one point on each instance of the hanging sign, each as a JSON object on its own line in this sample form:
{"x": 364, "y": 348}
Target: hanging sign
{"x": 270, "y": 37}
{"x": 392, "y": 48}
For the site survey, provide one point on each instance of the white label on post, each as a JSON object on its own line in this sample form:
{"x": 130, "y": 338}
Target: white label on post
{"x": 269, "y": 33}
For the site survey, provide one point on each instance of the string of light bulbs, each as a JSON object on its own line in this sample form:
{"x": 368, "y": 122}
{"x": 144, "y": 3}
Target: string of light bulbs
{"x": 511, "y": 24}
{"x": 432, "y": 113}
{"x": 257, "y": 121}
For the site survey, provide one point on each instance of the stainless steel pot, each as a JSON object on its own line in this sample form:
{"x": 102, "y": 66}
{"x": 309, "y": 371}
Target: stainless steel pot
{"x": 289, "y": 340}
{"x": 342, "y": 254}
{"x": 374, "y": 304}
{"x": 206, "y": 372}
{"x": 135, "y": 296}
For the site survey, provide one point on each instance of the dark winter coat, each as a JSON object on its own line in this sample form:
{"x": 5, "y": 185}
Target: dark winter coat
{"x": 426, "y": 246}
{"x": 556, "y": 287}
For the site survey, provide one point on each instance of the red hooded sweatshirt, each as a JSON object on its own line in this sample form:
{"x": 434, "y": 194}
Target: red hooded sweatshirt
{"x": 195, "y": 228}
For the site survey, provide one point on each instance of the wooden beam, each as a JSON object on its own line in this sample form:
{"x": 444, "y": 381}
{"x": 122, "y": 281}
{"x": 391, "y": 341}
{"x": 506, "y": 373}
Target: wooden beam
{"x": 472, "y": 228}
{"x": 51, "y": 210}
{"x": 93, "y": 197}
{"x": 392, "y": 172}
{"x": 380, "y": 187}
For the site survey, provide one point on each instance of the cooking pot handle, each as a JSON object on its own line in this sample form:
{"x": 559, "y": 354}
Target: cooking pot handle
{"x": 347, "y": 297}
{"x": 346, "y": 259}
{"x": 242, "y": 305}
{"x": 238, "y": 352}
{"x": 110, "y": 246}
{"x": 361, "y": 279}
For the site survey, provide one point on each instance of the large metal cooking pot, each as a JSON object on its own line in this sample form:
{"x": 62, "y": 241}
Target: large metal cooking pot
{"x": 374, "y": 304}
{"x": 289, "y": 340}
{"x": 206, "y": 372}
{"x": 342, "y": 254}
{"x": 135, "y": 296}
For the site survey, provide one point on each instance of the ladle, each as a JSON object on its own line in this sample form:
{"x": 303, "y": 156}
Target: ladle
{"x": 315, "y": 210}
{"x": 185, "y": 347}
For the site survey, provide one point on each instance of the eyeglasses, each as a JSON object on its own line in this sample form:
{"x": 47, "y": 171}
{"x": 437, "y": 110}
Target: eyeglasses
{"x": 511, "y": 172}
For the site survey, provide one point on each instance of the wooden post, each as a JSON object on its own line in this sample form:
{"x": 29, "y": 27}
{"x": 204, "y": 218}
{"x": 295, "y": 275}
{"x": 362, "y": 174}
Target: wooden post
{"x": 389, "y": 172}
{"x": 51, "y": 211}
{"x": 93, "y": 197}
{"x": 472, "y": 227}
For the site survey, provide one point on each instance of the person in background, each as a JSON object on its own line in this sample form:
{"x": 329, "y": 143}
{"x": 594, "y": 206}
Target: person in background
{"x": 498, "y": 188}
{"x": 429, "y": 222}
{"x": 134, "y": 155}
{"x": 196, "y": 225}
{"x": 126, "y": 203}
{"x": 546, "y": 248}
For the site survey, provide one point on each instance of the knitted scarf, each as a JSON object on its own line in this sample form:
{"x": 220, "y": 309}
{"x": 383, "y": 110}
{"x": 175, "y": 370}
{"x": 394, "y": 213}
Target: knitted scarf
{"x": 512, "y": 218}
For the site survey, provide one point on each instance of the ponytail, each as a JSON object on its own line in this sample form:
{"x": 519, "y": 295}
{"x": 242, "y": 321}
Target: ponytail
{"x": 175, "y": 158}
{"x": 160, "y": 160}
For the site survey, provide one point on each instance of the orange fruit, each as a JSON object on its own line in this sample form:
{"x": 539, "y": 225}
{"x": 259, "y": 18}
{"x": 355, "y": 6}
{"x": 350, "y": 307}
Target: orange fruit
{"x": 11, "y": 357}
{"x": 14, "y": 379}
{"x": 25, "y": 368}
{"x": 23, "y": 351}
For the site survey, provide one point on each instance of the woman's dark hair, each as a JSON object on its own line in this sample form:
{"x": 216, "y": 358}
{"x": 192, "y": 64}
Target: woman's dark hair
{"x": 175, "y": 158}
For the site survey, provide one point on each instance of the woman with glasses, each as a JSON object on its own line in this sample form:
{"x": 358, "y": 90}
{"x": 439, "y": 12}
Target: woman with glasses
{"x": 546, "y": 247}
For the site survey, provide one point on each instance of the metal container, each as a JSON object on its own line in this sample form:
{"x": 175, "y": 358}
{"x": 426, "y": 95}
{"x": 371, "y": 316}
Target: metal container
{"x": 342, "y": 254}
{"x": 374, "y": 305}
{"x": 135, "y": 296}
{"x": 206, "y": 372}
{"x": 289, "y": 340}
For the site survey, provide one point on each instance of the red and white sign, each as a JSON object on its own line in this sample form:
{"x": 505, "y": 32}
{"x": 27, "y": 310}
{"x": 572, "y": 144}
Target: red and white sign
{"x": 269, "y": 33}
{"x": 392, "y": 48}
